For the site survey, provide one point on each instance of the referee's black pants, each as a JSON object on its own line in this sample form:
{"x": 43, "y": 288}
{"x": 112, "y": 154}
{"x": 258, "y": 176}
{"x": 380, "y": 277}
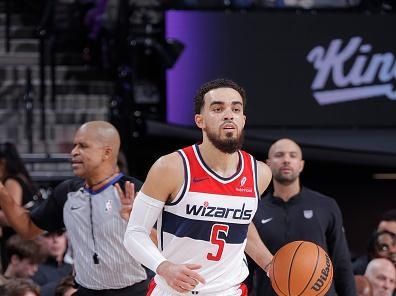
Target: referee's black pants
{"x": 138, "y": 289}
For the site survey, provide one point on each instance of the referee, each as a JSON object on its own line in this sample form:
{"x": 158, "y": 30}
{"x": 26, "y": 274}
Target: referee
{"x": 90, "y": 207}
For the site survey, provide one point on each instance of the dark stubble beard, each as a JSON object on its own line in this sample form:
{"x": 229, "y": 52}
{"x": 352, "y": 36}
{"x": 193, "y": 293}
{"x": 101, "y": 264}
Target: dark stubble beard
{"x": 229, "y": 144}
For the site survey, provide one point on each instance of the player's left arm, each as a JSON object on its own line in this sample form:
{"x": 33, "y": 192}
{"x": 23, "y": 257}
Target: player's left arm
{"x": 255, "y": 247}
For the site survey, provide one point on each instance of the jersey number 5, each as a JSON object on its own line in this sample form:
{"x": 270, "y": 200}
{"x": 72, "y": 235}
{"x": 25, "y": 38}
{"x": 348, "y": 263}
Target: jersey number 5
{"x": 214, "y": 239}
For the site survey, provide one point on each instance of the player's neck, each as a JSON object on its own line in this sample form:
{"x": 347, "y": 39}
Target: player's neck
{"x": 286, "y": 191}
{"x": 224, "y": 164}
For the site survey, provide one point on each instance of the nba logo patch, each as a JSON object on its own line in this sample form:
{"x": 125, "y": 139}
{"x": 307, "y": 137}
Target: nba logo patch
{"x": 308, "y": 214}
{"x": 108, "y": 206}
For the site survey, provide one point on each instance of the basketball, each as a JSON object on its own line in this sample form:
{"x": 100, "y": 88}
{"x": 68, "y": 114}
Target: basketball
{"x": 301, "y": 268}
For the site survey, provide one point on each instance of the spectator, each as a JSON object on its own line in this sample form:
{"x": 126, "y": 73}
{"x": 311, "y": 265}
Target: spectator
{"x": 388, "y": 221}
{"x": 363, "y": 286}
{"x": 20, "y": 287}
{"x": 293, "y": 212}
{"x": 382, "y": 275}
{"x": 24, "y": 257}
{"x": 65, "y": 287}
{"x": 385, "y": 245}
{"x": 19, "y": 184}
{"x": 54, "y": 268}
{"x": 382, "y": 243}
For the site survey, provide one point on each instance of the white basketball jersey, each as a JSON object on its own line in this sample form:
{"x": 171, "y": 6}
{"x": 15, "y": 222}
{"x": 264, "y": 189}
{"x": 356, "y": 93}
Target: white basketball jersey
{"x": 207, "y": 223}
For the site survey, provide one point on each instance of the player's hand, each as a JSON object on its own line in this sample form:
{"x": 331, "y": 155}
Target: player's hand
{"x": 127, "y": 198}
{"x": 180, "y": 277}
{"x": 268, "y": 269}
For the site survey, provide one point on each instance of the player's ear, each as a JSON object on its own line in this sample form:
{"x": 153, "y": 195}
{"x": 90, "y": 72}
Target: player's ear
{"x": 198, "y": 120}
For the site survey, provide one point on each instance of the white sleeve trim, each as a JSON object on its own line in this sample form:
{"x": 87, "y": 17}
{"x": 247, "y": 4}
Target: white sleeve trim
{"x": 145, "y": 213}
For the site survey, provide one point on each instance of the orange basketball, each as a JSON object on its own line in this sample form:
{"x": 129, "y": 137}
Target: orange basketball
{"x": 301, "y": 268}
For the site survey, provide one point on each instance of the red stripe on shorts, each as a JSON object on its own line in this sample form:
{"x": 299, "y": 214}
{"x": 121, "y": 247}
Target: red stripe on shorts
{"x": 151, "y": 287}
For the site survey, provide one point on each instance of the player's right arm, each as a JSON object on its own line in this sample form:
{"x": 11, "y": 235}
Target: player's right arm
{"x": 17, "y": 216}
{"x": 163, "y": 181}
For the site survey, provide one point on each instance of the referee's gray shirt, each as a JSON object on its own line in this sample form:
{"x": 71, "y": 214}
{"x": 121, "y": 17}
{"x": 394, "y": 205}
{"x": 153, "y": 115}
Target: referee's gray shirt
{"x": 93, "y": 226}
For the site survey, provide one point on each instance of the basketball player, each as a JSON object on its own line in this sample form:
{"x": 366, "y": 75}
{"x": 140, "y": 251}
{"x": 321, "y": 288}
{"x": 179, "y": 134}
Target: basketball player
{"x": 204, "y": 197}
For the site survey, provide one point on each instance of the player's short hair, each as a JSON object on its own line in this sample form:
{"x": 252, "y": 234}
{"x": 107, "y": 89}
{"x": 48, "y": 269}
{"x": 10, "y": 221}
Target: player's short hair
{"x": 214, "y": 84}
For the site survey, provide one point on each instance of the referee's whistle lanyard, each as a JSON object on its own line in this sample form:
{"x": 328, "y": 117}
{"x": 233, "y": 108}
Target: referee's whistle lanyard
{"x": 95, "y": 256}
